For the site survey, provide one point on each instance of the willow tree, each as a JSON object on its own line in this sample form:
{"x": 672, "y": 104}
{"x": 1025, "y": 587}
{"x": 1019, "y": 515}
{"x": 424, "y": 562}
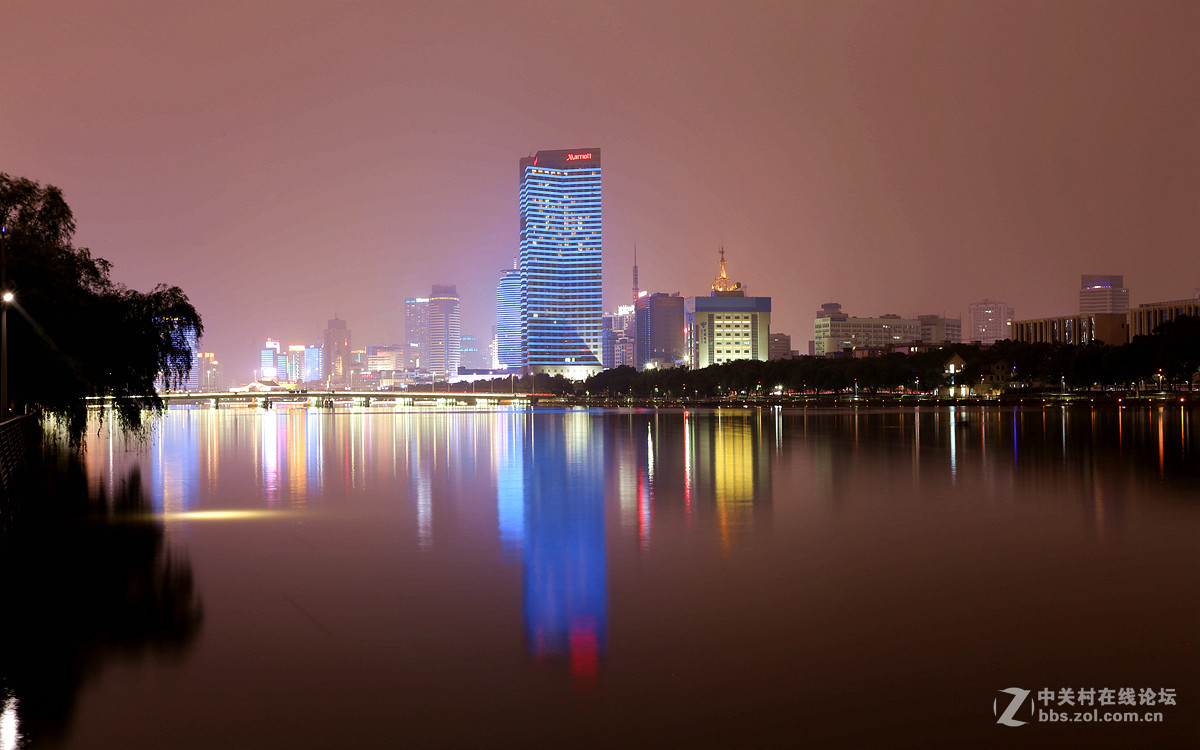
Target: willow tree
{"x": 73, "y": 332}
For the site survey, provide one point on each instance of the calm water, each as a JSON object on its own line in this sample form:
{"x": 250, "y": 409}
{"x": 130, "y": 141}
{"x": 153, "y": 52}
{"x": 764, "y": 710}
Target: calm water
{"x": 735, "y": 578}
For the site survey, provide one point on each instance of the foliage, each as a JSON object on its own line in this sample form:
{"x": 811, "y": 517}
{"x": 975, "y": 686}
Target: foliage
{"x": 1173, "y": 349}
{"x": 73, "y": 332}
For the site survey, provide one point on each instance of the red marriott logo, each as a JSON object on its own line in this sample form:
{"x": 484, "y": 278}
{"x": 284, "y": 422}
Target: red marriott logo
{"x": 576, "y": 157}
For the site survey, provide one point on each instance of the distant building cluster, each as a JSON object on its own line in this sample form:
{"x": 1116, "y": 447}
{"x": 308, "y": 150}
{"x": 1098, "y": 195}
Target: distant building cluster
{"x": 550, "y": 318}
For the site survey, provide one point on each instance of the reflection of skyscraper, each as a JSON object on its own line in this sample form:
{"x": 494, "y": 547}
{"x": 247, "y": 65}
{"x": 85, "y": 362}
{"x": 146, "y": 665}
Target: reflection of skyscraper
{"x": 566, "y": 584}
{"x": 508, "y": 318}
{"x": 561, "y": 262}
{"x": 443, "y": 336}
{"x": 730, "y": 466}
{"x": 509, "y": 442}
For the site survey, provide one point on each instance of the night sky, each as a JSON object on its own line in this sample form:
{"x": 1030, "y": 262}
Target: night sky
{"x": 285, "y": 161}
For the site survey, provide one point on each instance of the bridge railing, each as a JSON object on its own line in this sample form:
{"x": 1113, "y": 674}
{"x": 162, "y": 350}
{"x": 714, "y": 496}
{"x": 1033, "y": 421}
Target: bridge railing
{"x": 19, "y": 440}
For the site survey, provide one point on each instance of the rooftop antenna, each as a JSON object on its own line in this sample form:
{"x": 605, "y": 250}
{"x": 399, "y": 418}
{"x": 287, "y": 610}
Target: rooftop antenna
{"x": 636, "y": 289}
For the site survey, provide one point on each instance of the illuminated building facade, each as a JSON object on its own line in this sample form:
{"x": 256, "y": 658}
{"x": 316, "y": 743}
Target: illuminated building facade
{"x": 659, "y": 326}
{"x": 443, "y": 334}
{"x": 209, "y": 372}
{"x": 270, "y": 364}
{"x": 991, "y": 321}
{"x": 335, "y": 364}
{"x": 1107, "y": 328}
{"x": 560, "y": 263}
{"x": 1145, "y": 318}
{"x": 618, "y": 338}
{"x": 416, "y": 330}
{"x": 726, "y": 325}
{"x": 1102, "y": 294}
{"x": 835, "y": 332}
{"x": 508, "y": 319}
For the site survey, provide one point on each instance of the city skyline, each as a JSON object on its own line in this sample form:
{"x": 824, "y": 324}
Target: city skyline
{"x": 907, "y": 158}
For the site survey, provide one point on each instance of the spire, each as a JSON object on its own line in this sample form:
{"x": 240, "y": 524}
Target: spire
{"x": 636, "y": 289}
{"x": 723, "y": 284}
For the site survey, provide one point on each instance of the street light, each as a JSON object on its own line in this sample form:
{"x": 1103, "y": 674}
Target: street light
{"x": 8, "y": 298}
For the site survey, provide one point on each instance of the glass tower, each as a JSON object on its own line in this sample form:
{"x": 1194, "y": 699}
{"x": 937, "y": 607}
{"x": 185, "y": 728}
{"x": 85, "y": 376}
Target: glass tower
{"x": 508, "y": 318}
{"x": 561, "y": 263}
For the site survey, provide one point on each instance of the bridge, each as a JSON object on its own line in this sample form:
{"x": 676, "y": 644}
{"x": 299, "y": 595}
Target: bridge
{"x": 329, "y": 399}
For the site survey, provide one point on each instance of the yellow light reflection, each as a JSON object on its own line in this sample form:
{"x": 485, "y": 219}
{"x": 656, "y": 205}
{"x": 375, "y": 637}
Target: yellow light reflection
{"x": 220, "y": 515}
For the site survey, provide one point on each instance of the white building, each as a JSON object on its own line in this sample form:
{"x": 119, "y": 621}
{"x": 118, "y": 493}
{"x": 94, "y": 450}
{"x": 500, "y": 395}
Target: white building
{"x": 834, "y": 331}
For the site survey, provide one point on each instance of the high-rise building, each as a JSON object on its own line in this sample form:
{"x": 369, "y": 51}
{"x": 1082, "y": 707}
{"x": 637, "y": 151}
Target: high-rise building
{"x": 474, "y": 355}
{"x": 779, "y": 346}
{"x": 269, "y": 364}
{"x": 991, "y": 321}
{"x": 443, "y": 335}
{"x": 726, "y": 325}
{"x": 936, "y": 329}
{"x": 416, "y": 332}
{"x": 1100, "y": 294}
{"x": 659, "y": 326}
{"x": 294, "y": 363}
{"x": 560, "y": 263}
{"x": 335, "y": 363}
{"x": 314, "y": 360}
{"x": 508, "y": 318}
{"x": 617, "y": 338}
{"x": 834, "y": 331}
{"x": 209, "y": 372}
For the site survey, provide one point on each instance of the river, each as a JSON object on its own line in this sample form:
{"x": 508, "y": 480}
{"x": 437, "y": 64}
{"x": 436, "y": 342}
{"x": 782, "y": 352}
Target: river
{"x": 398, "y": 577}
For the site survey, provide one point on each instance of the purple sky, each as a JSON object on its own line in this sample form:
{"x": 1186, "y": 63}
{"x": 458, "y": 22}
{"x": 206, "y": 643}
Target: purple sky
{"x": 283, "y": 161}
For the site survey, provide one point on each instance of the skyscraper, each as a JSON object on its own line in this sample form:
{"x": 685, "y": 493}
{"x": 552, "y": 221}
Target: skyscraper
{"x": 416, "y": 331}
{"x": 726, "y": 325}
{"x": 335, "y": 343}
{"x": 508, "y": 318}
{"x": 561, "y": 263}
{"x": 991, "y": 321}
{"x": 659, "y": 326}
{"x": 1102, "y": 294}
{"x": 443, "y": 332}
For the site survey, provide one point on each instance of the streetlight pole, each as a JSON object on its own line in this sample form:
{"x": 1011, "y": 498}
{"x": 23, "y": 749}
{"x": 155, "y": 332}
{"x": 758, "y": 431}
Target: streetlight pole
{"x": 7, "y": 299}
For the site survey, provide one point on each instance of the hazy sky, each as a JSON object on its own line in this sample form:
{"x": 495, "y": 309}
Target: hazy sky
{"x": 285, "y": 161}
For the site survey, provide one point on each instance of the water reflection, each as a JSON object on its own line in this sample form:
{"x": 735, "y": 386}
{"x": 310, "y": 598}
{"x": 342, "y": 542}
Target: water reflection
{"x": 565, "y": 561}
{"x": 484, "y": 562}
{"x": 86, "y": 580}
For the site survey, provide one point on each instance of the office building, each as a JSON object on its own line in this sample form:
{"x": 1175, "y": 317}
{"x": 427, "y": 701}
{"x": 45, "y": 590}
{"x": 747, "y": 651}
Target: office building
{"x": 1105, "y": 328}
{"x": 1145, "y": 318}
{"x": 936, "y": 329}
{"x": 508, "y": 319}
{"x": 726, "y": 325}
{"x": 560, "y": 263}
{"x": 335, "y": 344}
{"x": 416, "y": 330}
{"x": 779, "y": 346}
{"x": 474, "y": 356}
{"x": 835, "y": 332}
{"x": 294, "y": 368}
{"x": 209, "y": 375}
{"x": 617, "y": 340}
{"x": 442, "y": 333}
{"x": 991, "y": 321}
{"x": 313, "y": 362}
{"x": 1102, "y": 294}
{"x": 658, "y": 321}
{"x": 270, "y": 363}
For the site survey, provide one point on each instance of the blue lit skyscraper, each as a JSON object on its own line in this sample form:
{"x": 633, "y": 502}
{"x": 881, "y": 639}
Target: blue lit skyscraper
{"x": 508, "y": 319}
{"x": 561, "y": 263}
